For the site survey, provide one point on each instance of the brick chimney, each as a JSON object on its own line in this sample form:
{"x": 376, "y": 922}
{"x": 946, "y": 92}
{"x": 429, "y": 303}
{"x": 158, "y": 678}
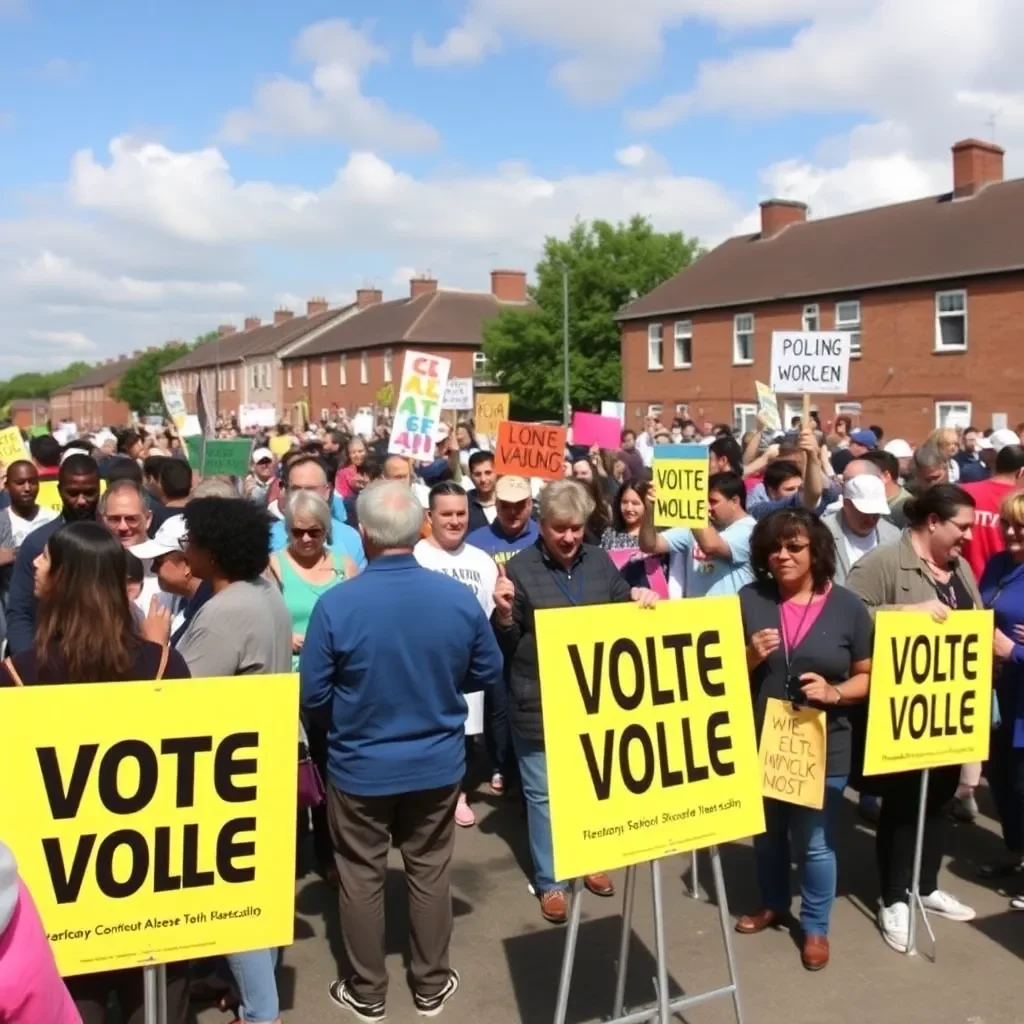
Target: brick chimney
{"x": 153, "y": 348}
{"x": 314, "y": 307}
{"x": 282, "y": 316}
{"x": 422, "y": 286}
{"x": 777, "y": 214}
{"x": 225, "y": 330}
{"x": 368, "y": 297}
{"x": 137, "y": 353}
{"x": 252, "y": 322}
{"x": 509, "y": 285}
{"x": 975, "y": 165}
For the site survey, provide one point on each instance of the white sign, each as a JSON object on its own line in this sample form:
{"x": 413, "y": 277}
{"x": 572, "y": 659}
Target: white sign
{"x": 362, "y": 425}
{"x": 615, "y": 409}
{"x": 174, "y": 402}
{"x": 806, "y": 363}
{"x": 261, "y": 414}
{"x": 190, "y": 427}
{"x": 414, "y": 432}
{"x": 458, "y": 394}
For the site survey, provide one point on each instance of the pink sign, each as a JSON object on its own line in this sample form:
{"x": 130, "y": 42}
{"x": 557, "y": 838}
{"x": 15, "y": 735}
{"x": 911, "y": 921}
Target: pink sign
{"x": 651, "y": 567}
{"x": 589, "y": 428}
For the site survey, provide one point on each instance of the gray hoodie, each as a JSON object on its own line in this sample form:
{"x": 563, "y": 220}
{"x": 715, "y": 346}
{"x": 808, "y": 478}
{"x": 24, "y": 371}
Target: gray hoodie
{"x": 8, "y": 886}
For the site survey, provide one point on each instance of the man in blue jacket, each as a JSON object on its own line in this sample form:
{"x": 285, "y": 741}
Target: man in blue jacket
{"x": 78, "y": 485}
{"x": 388, "y": 658}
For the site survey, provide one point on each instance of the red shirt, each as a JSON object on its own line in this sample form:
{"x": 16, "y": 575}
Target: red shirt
{"x": 986, "y": 536}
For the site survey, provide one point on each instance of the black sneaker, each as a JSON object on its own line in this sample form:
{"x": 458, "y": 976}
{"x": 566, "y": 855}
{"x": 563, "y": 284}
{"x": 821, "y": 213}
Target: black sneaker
{"x": 431, "y": 1006}
{"x": 342, "y": 996}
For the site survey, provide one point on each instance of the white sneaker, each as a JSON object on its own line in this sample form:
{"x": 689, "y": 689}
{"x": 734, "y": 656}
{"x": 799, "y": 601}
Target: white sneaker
{"x": 943, "y": 905}
{"x": 894, "y": 922}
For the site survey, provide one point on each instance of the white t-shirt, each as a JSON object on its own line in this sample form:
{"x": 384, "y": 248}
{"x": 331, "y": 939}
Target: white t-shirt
{"x": 21, "y": 528}
{"x": 857, "y": 547}
{"x": 490, "y": 512}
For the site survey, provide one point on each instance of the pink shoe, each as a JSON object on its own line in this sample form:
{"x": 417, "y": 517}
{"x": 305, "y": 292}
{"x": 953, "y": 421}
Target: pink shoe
{"x": 464, "y": 816}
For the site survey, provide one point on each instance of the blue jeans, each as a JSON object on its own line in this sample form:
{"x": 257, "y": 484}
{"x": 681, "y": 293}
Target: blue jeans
{"x": 533, "y": 770}
{"x": 496, "y": 727}
{"x": 813, "y": 836}
{"x": 254, "y": 977}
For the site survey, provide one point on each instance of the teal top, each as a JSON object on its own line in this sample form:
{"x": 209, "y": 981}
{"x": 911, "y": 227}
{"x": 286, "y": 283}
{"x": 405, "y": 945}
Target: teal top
{"x": 300, "y": 596}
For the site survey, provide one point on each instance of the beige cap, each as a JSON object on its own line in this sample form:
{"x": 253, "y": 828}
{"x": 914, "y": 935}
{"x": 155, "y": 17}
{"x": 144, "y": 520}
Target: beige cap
{"x": 512, "y": 488}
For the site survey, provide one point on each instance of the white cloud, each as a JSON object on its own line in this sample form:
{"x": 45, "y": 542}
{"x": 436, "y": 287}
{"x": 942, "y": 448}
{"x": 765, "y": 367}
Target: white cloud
{"x": 331, "y": 105}
{"x": 59, "y": 70}
{"x": 74, "y": 341}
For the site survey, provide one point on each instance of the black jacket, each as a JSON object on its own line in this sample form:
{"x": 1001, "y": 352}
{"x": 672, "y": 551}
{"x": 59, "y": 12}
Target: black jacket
{"x": 534, "y": 574}
{"x": 477, "y": 517}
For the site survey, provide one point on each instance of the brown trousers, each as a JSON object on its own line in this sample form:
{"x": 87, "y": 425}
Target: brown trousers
{"x": 422, "y": 826}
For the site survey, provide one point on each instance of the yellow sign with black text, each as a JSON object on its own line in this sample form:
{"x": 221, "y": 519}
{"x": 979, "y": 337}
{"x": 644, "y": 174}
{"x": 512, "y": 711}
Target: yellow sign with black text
{"x": 681, "y": 485}
{"x": 153, "y": 822}
{"x": 792, "y": 750}
{"x": 931, "y": 691}
{"x": 648, "y": 731}
{"x": 49, "y": 495}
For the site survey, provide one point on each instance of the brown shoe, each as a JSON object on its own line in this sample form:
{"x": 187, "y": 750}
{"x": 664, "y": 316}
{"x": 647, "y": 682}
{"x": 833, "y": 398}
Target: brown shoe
{"x": 815, "y": 952}
{"x": 599, "y": 884}
{"x": 752, "y": 924}
{"x": 554, "y": 906}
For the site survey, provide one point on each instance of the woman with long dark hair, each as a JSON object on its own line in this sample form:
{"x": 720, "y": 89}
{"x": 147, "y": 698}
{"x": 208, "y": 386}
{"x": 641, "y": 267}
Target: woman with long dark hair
{"x": 86, "y": 633}
{"x": 622, "y": 540}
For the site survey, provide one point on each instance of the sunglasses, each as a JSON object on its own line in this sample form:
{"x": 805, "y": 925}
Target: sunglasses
{"x": 313, "y": 534}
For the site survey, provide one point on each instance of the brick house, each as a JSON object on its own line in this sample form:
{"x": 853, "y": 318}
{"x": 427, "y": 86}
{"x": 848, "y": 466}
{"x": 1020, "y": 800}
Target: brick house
{"x": 933, "y": 291}
{"x": 92, "y": 404}
{"x": 29, "y": 412}
{"x": 60, "y": 404}
{"x": 347, "y": 365}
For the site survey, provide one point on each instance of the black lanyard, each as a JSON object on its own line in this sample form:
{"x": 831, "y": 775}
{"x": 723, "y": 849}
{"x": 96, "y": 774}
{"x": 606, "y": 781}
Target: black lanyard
{"x": 566, "y": 586}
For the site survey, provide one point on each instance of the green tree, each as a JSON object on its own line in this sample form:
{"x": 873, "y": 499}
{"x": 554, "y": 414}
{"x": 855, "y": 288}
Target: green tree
{"x": 39, "y": 385}
{"x": 609, "y": 265}
{"x": 139, "y": 387}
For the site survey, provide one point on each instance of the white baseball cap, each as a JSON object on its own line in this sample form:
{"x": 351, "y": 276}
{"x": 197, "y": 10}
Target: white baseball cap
{"x": 1002, "y": 438}
{"x": 899, "y": 448}
{"x": 262, "y": 453}
{"x": 867, "y": 494}
{"x": 167, "y": 539}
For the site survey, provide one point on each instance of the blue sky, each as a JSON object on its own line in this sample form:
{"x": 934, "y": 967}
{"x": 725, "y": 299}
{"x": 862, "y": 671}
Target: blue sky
{"x": 169, "y": 167}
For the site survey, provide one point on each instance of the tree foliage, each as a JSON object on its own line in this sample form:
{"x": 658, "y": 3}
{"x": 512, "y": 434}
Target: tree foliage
{"x": 39, "y": 385}
{"x": 609, "y": 265}
{"x": 139, "y": 387}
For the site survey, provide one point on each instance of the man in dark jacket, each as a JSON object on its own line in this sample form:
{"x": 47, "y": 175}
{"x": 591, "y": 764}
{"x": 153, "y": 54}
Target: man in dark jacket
{"x": 483, "y": 506}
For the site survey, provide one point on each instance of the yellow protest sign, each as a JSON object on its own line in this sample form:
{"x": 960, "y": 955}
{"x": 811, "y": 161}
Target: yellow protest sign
{"x": 49, "y": 496}
{"x": 681, "y": 485}
{"x": 280, "y": 445}
{"x": 648, "y": 730}
{"x": 12, "y": 447}
{"x": 490, "y": 410}
{"x": 792, "y": 752}
{"x": 931, "y": 691}
{"x": 153, "y": 821}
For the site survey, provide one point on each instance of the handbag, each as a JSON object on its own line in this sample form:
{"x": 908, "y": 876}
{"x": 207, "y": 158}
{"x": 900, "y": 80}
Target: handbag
{"x": 312, "y": 792}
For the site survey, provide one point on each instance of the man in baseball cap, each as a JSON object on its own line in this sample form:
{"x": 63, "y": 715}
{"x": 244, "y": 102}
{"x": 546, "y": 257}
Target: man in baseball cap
{"x": 514, "y": 527}
{"x": 860, "y": 526}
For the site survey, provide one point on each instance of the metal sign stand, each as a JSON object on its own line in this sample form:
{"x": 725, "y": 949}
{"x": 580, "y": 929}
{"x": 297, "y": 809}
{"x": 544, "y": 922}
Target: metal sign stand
{"x": 916, "y": 904}
{"x": 154, "y": 993}
{"x": 663, "y": 1010}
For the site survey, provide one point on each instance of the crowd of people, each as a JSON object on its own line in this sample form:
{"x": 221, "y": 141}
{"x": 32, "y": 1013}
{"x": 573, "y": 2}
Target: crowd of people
{"x": 404, "y": 595}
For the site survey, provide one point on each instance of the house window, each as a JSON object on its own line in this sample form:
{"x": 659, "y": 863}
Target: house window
{"x": 655, "y": 346}
{"x": 654, "y": 409}
{"x": 323, "y": 371}
{"x": 305, "y": 373}
{"x": 288, "y": 376}
{"x": 848, "y": 319}
{"x": 364, "y": 368}
{"x": 387, "y": 365}
{"x": 343, "y": 369}
{"x": 744, "y": 418}
{"x": 951, "y": 321}
{"x": 683, "y": 344}
{"x": 231, "y": 378}
{"x": 811, "y": 319}
{"x": 255, "y": 376}
{"x": 479, "y": 362}
{"x": 743, "y": 339}
{"x": 953, "y": 414}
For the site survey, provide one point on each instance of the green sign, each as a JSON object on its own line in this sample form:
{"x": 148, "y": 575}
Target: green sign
{"x": 38, "y": 431}
{"x": 226, "y": 457}
{"x": 194, "y": 446}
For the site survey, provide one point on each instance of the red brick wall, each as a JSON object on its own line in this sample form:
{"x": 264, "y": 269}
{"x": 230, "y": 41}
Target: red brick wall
{"x": 60, "y": 408}
{"x": 92, "y": 408}
{"x": 355, "y": 394}
{"x": 898, "y": 379}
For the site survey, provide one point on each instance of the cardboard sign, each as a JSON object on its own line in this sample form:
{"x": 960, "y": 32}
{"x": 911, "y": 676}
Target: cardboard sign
{"x": 931, "y": 691}
{"x": 681, "y": 485}
{"x": 12, "y": 447}
{"x": 806, "y": 363}
{"x": 145, "y": 832}
{"x": 257, "y": 415}
{"x": 458, "y": 393}
{"x": 768, "y": 407}
{"x": 792, "y": 752}
{"x": 419, "y": 406}
{"x": 649, "y": 731}
{"x": 588, "y": 428}
{"x": 617, "y": 410}
{"x": 490, "y": 411}
{"x": 49, "y": 496}
{"x": 530, "y": 449}
{"x": 174, "y": 402}
{"x": 227, "y": 456}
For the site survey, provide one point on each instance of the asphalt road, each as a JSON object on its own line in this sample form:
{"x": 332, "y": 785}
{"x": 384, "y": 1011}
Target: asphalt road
{"x": 509, "y": 958}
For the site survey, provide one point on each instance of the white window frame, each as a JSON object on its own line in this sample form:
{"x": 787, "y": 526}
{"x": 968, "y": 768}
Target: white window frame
{"x": 742, "y": 414}
{"x": 231, "y": 377}
{"x": 364, "y": 367}
{"x": 951, "y": 405}
{"x": 655, "y": 339}
{"x": 323, "y": 371}
{"x": 960, "y": 293}
{"x": 682, "y": 344}
{"x": 811, "y": 312}
{"x": 388, "y": 357}
{"x": 850, "y": 324}
{"x": 254, "y": 375}
{"x": 479, "y": 362}
{"x": 305, "y": 373}
{"x": 738, "y": 359}
{"x": 288, "y": 376}
{"x": 343, "y": 369}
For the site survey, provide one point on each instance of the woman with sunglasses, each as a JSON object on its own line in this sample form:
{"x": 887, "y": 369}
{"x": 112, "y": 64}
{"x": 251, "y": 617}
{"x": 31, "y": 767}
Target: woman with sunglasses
{"x": 808, "y": 643}
{"x": 924, "y": 573}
